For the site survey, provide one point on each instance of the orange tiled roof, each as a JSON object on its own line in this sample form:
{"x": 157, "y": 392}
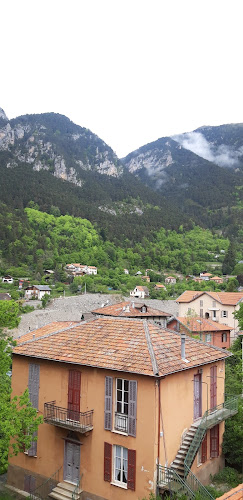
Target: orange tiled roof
{"x": 199, "y": 324}
{"x": 121, "y": 310}
{"x": 44, "y": 330}
{"x": 120, "y": 344}
{"x": 225, "y": 298}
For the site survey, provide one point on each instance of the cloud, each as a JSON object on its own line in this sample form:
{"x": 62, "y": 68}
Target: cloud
{"x": 224, "y": 156}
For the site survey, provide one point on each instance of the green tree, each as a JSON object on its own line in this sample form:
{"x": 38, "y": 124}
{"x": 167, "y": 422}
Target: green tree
{"x": 9, "y": 314}
{"x": 229, "y": 260}
{"x": 18, "y": 419}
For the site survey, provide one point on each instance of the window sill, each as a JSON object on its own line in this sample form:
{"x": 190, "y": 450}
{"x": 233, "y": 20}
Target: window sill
{"x": 119, "y": 432}
{"x": 123, "y": 486}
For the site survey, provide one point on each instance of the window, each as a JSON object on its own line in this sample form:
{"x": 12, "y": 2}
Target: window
{"x": 121, "y": 413}
{"x": 224, "y": 337}
{"x": 120, "y": 466}
{"x": 201, "y": 313}
{"x": 214, "y": 303}
{"x": 224, "y": 314}
{"x": 208, "y": 337}
{"x": 120, "y": 456}
{"x": 33, "y": 386}
{"x": 125, "y": 405}
{"x": 201, "y": 303}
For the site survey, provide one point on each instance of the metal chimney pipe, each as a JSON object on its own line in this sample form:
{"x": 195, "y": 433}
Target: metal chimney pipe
{"x": 183, "y": 346}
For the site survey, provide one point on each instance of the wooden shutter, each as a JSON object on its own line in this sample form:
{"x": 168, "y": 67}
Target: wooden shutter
{"x": 32, "y": 451}
{"x": 29, "y": 483}
{"x": 107, "y": 461}
{"x": 74, "y": 383}
{"x": 131, "y": 472}
{"x": 33, "y": 386}
{"x": 214, "y": 442}
{"x": 132, "y": 407}
{"x": 204, "y": 450}
{"x": 108, "y": 403}
{"x": 213, "y": 386}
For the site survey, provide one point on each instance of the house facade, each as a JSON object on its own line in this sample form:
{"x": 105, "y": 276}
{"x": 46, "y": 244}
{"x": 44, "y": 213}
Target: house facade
{"x": 140, "y": 292}
{"x": 37, "y": 291}
{"x": 8, "y": 279}
{"x": 110, "y": 390}
{"x": 207, "y": 330}
{"x": 80, "y": 269}
{"x": 170, "y": 280}
{"x": 217, "y": 306}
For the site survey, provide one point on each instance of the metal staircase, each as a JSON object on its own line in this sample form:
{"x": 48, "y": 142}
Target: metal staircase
{"x": 179, "y": 478}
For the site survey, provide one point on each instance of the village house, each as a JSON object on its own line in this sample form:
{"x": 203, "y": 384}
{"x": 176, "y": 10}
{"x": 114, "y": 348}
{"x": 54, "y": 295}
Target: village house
{"x": 8, "y": 279}
{"x": 159, "y": 286}
{"x": 37, "y": 291}
{"x": 125, "y": 409}
{"x": 80, "y": 269}
{"x": 5, "y": 296}
{"x": 131, "y": 310}
{"x": 217, "y": 306}
{"x": 205, "y": 276}
{"x": 146, "y": 278}
{"x": 126, "y": 271}
{"x": 217, "y": 279}
{"x": 140, "y": 292}
{"x": 206, "y": 329}
{"x": 170, "y": 280}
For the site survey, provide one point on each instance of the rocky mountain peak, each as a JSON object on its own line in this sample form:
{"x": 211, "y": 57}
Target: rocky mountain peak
{"x": 3, "y": 115}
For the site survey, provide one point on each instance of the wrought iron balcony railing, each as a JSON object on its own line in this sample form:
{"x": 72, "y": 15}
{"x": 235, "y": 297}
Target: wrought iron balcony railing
{"x": 121, "y": 422}
{"x": 69, "y": 419}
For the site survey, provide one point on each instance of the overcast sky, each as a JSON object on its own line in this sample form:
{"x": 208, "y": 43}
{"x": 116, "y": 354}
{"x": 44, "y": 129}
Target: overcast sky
{"x": 130, "y": 70}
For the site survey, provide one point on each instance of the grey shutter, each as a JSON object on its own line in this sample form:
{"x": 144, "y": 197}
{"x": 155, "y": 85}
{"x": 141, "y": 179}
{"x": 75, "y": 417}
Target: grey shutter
{"x": 108, "y": 403}
{"x": 34, "y": 377}
{"x": 32, "y": 451}
{"x": 132, "y": 408}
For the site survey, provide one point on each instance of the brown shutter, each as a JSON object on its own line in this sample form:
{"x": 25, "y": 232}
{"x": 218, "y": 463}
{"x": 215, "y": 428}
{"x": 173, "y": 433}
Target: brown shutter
{"x": 131, "y": 473}
{"x": 132, "y": 408}
{"x": 108, "y": 403}
{"x": 214, "y": 442}
{"x": 107, "y": 461}
{"x": 74, "y": 383}
{"x": 29, "y": 483}
{"x": 204, "y": 450}
{"x": 213, "y": 387}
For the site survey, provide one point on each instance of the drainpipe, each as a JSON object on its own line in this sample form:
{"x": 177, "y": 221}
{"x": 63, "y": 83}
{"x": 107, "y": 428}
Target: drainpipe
{"x": 183, "y": 346}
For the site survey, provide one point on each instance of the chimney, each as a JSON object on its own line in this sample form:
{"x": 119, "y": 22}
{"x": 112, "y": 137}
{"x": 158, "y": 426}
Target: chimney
{"x": 183, "y": 346}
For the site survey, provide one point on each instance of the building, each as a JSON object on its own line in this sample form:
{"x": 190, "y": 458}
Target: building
{"x": 140, "y": 292}
{"x": 5, "y": 296}
{"x": 131, "y": 310}
{"x": 80, "y": 269}
{"x": 170, "y": 280}
{"x": 159, "y": 286}
{"x": 120, "y": 397}
{"x": 218, "y": 306}
{"x": 146, "y": 278}
{"x": 217, "y": 279}
{"x": 206, "y": 329}
{"x": 37, "y": 291}
{"x": 8, "y": 279}
{"x": 205, "y": 276}
{"x": 126, "y": 271}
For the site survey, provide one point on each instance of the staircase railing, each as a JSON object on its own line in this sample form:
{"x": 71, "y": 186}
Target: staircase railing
{"x": 196, "y": 486}
{"x": 43, "y": 490}
{"x": 210, "y": 419}
{"x": 169, "y": 479}
{"x": 75, "y": 493}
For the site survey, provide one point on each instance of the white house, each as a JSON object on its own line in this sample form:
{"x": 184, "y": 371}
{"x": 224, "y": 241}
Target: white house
{"x": 8, "y": 279}
{"x": 140, "y": 292}
{"x": 37, "y": 291}
{"x": 170, "y": 280}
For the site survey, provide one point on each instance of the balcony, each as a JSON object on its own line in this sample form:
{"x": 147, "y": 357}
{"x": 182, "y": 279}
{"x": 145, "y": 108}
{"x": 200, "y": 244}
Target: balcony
{"x": 221, "y": 412}
{"x": 68, "y": 419}
{"x": 121, "y": 422}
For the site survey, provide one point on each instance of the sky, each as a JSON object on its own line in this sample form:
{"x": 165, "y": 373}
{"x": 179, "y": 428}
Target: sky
{"x": 129, "y": 70}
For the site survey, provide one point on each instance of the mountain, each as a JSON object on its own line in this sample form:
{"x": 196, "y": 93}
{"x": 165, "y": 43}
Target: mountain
{"x": 40, "y": 153}
{"x": 200, "y": 171}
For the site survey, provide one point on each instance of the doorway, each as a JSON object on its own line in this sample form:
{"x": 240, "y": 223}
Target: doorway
{"x": 71, "y": 462}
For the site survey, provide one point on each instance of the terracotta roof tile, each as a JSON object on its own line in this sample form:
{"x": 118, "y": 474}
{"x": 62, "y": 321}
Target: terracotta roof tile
{"x": 199, "y": 324}
{"x": 117, "y": 344}
{"x": 126, "y": 310}
{"x": 225, "y": 298}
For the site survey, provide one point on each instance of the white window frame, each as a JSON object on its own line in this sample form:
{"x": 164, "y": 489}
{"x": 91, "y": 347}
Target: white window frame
{"x": 123, "y": 427}
{"x": 124, "y": 461}
{"x": 224, "y": 314}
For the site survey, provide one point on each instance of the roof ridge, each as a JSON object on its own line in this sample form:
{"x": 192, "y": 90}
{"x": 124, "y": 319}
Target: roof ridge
{"x": 49, "y": 334}
{"x": 150, "y": 348}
